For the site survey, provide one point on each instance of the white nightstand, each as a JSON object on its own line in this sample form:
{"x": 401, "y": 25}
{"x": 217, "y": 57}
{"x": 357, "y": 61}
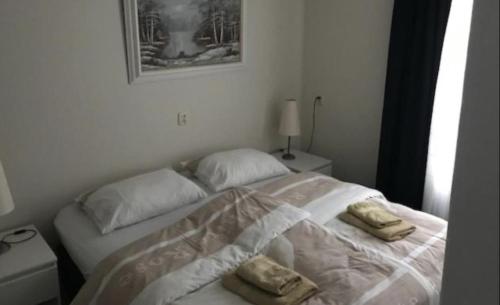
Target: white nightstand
{"x": 305, "y": 162}
{"x": 28, "y": 273}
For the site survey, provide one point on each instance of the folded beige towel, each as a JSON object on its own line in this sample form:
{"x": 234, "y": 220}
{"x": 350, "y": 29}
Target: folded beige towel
{"x": 257, "y": 296}
{"x": 268, "y": 275}
{"x": 390, "y": 234}
{"x": 373, "y": 214}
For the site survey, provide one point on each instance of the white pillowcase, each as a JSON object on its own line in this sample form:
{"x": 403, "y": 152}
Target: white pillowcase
{"x": 139, "y": 198}
{"x": 225, "y": 170}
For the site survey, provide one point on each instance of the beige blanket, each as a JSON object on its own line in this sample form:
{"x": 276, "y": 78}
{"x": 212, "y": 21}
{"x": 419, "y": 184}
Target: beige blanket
{"x": 373, "y": 214}
{"x": 167, "y": 265}
{"x": 257, "y": 296}
{"x": 268, "y": 275}
{"x": 348, "y": 267}
{"x": 390, "y": 233}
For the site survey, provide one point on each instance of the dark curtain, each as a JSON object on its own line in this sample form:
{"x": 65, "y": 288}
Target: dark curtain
{"x": 417, "y": 37}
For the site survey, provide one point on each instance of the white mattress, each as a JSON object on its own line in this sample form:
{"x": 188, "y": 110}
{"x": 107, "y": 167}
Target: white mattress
{"x": 87, "y": 247}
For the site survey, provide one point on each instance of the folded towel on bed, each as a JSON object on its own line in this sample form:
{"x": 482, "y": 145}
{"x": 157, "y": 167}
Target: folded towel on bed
{"x": 268, "y": 275}
{"x": 390, "y": 234}
{"x": 373, "y": 214}
{"x": 258, "y": 296}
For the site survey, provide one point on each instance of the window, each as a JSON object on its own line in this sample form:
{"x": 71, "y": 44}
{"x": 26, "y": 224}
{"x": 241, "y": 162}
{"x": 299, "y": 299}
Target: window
{"x": 447, "y": 110}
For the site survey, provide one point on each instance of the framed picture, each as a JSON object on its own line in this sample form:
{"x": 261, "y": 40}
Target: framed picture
{"x": 172, "y": 38}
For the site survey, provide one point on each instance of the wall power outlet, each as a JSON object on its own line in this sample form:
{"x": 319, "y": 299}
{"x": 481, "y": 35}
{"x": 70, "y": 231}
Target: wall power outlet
{"x": 182, "y": 119}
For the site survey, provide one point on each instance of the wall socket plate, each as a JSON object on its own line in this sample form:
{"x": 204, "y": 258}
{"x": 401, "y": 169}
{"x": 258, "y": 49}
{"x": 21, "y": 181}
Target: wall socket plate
{"x": 182, "y": 119}
{"x": 319, "y": 100}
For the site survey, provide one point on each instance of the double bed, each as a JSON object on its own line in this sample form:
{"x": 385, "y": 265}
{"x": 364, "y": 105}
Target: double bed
{"x": 406, "y": 272}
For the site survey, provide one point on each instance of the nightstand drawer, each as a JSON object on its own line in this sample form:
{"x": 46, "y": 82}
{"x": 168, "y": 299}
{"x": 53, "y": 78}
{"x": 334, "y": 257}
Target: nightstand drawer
{"x": 31, "y": 289}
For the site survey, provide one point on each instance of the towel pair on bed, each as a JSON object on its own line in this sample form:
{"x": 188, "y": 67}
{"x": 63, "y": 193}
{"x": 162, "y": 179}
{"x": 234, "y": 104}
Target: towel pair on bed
{"x": 375, "y": 220}
{"x": 262, "y": 281}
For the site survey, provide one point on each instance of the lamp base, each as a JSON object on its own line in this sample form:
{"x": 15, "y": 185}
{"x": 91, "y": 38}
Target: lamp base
{"x": 288, "y": 156}
{"x": 4, "y": 248}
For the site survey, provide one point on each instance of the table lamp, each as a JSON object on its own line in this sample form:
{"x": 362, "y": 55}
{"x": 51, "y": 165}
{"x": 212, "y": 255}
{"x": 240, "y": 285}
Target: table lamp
{"x": 6, "y": 203}
{"x": 290, "y": 125}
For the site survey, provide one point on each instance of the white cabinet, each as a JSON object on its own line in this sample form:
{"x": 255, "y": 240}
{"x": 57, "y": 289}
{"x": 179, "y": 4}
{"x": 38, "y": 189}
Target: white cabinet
{"x": 28, "y": 273}
{"x": 305, "y": 162}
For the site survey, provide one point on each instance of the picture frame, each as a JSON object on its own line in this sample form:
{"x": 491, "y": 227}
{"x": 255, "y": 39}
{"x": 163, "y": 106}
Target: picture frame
{"x": 161, "y": 45}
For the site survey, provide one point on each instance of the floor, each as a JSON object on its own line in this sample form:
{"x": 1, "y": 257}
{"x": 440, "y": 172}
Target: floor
{"x": 70, "y": 278}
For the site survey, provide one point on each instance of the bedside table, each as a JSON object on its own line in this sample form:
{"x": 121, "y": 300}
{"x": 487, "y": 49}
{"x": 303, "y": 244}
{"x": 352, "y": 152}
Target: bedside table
{"x": 28, "y": 272}
{"x": 305, "y": 162}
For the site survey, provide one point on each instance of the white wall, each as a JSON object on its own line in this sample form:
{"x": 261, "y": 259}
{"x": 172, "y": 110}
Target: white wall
{"x": 347, "y": 46}
{"x": 471, "y": 267}
{"x": 70, "y": 121}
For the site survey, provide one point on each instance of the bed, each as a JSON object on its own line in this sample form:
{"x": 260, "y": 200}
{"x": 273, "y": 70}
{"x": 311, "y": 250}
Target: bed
{"x": 406, "y": 272}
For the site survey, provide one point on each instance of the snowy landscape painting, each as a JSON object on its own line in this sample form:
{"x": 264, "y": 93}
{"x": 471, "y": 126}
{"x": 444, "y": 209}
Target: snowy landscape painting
{"x": 178, "y": 34}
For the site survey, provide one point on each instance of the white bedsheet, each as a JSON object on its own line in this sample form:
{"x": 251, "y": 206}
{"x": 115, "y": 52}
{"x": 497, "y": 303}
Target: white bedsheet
{"x": 87, "y": 247}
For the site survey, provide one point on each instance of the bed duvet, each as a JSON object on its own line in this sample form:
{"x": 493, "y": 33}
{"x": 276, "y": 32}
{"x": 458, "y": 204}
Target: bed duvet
{"x": 292, "y": 220}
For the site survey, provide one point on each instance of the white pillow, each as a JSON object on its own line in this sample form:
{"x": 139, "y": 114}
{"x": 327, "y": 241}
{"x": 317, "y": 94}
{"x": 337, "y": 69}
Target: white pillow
{"x": 225, "y": 170}
{"x": 139, "y": 198}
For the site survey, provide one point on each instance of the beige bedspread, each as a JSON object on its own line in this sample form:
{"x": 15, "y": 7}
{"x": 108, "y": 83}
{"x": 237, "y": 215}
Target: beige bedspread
{"x": 350, "y": 267}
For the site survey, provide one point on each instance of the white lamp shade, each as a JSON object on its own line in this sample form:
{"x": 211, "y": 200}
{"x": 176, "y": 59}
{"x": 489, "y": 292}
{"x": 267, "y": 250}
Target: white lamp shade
{"x": 290, "y": 119}
{"x": 6, "y": 202}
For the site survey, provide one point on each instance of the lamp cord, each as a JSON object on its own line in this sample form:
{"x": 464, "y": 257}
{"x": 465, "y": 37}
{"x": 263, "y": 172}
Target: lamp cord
{"x": 29, "y": 232}
{"x": 313, "y": 131}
